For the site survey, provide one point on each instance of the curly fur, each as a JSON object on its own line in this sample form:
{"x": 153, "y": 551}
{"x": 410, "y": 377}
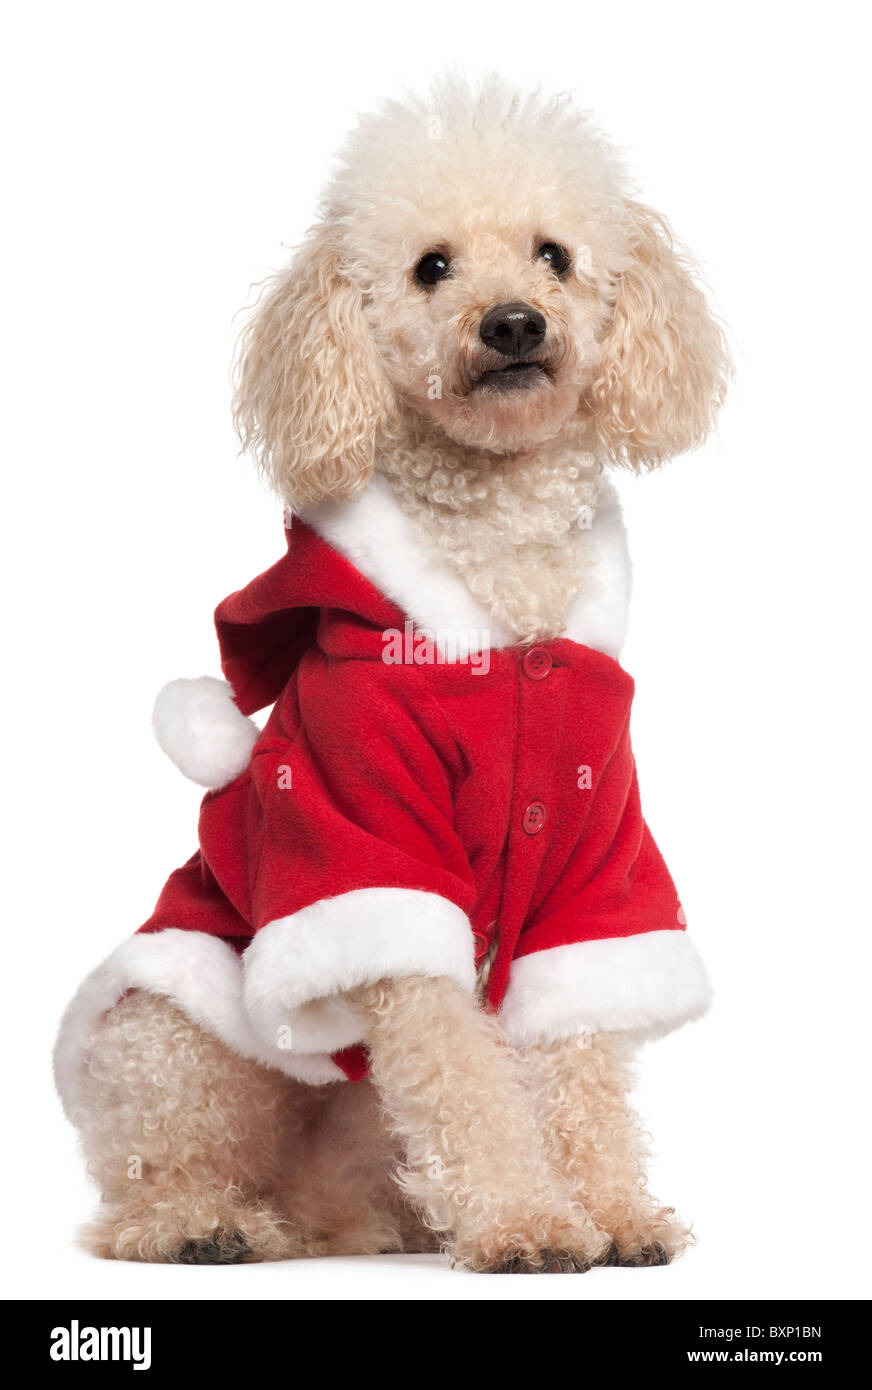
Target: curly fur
{"x": 580, "y": 1089}
{"x": 310, "y": 395}
{"x": 509, "y": 1162}
{"x": 180, "y": 1136}
{"x": 515, "y": 535}
{"x": 201, "y": 1155}
{"x": 475, "y": 1163}
{"x": 664, "y": 369}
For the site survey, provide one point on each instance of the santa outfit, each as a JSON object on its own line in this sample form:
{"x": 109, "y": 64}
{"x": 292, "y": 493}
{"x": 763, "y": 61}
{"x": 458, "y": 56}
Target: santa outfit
{"x": 425, "y": 798}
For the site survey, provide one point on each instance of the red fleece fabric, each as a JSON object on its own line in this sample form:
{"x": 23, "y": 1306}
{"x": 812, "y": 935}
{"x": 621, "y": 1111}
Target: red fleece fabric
{"x": 370, "y": 774}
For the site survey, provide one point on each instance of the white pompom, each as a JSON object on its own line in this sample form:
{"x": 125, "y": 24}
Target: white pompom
{"x": 202, "y": 731}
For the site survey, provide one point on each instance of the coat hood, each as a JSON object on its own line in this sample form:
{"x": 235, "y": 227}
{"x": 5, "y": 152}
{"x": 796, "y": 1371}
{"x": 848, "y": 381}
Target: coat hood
{"x": 263, "y": 631}
{"x": 353, "y": 569}
{"x": 265, "y": 628}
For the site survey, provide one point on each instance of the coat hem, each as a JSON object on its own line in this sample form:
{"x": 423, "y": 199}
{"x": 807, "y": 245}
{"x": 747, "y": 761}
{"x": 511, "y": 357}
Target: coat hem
{"x": 298, "y": 969}
{"x": 201, "y": 975}
{"x": 282, "y": 1005}
{"x": 645, "y": 985}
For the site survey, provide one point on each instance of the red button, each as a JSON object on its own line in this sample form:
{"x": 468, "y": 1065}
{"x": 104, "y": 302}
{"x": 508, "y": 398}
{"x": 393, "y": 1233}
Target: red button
{"x": 537, "y": 663}
{"x": 534, "y": 817}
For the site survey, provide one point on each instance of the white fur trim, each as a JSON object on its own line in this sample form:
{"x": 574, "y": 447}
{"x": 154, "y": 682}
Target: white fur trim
{"x": 199, "y": 973}
{"x": 598, "y": 618}
{"x": 646, "y": 985}
{"x": 374, "y": 533}
{"x": 202, "y": 731}
{"x": 298, "y": 968}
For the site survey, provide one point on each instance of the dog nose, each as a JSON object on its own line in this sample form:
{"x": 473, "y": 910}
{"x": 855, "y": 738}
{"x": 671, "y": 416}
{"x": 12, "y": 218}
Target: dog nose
{"x": 512, "y": 329}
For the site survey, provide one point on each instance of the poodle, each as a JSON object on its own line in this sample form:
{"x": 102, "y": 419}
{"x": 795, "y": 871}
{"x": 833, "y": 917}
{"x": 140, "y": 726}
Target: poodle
{"x": 392, "y": 1002}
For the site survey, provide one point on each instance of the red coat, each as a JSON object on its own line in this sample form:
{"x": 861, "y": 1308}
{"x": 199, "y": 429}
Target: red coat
{"x": 402, "y": 813}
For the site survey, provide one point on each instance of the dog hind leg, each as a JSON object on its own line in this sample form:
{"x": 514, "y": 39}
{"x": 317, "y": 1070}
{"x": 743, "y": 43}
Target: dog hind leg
{"x": 180, "y": 1135}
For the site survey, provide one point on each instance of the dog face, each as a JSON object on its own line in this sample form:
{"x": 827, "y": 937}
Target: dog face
{"x": 494, "y": 330}
{"x": 479, "y": 266}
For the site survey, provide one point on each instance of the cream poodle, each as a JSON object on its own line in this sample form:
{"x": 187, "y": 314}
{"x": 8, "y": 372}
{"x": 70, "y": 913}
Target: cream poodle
{"x": 428, "y": 875}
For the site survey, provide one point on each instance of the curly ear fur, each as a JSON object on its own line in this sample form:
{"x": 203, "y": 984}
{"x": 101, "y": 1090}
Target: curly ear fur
{"x": 665, "y": 366}
{"x": 310, "y": 393}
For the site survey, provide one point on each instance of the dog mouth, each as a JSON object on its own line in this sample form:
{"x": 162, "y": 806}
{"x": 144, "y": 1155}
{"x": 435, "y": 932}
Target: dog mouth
{"x": 514, "y": 376}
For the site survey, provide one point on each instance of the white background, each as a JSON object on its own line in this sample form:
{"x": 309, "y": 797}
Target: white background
{"x": 160, "y": 157}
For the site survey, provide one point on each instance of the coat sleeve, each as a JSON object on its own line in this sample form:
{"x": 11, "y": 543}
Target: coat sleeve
{"x": 607, "y": 950}
{"x": 359, "y": 874}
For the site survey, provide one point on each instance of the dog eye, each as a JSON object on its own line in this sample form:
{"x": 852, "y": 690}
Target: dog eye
{"x": 431, "y": 268}
{"x": 556, "y": 256}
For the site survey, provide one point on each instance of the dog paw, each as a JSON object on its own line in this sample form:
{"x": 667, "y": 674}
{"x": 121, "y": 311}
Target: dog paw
{"x": 192, "y": 1230}
{"x": 643, "y": 1234}
{"x": 548, "y": 1246}
{"x": 648, "y": 1256}
{"x": 545, "y": 1262}
{"x": 222, "y": 1247}
{"x": 645, "y": 1257}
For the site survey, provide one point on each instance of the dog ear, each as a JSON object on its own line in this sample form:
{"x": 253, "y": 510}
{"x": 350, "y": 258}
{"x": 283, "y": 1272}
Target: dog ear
{"x": 665, "y": 367}
{"x": 310, "y": 392}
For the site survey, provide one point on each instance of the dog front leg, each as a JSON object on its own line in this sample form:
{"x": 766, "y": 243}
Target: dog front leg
{"x": 580, "y": 1089}
{"x": 475, "y": 1163}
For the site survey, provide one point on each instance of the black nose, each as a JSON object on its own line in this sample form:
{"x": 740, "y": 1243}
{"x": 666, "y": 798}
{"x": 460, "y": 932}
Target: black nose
{"x": 512, "y": 329}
